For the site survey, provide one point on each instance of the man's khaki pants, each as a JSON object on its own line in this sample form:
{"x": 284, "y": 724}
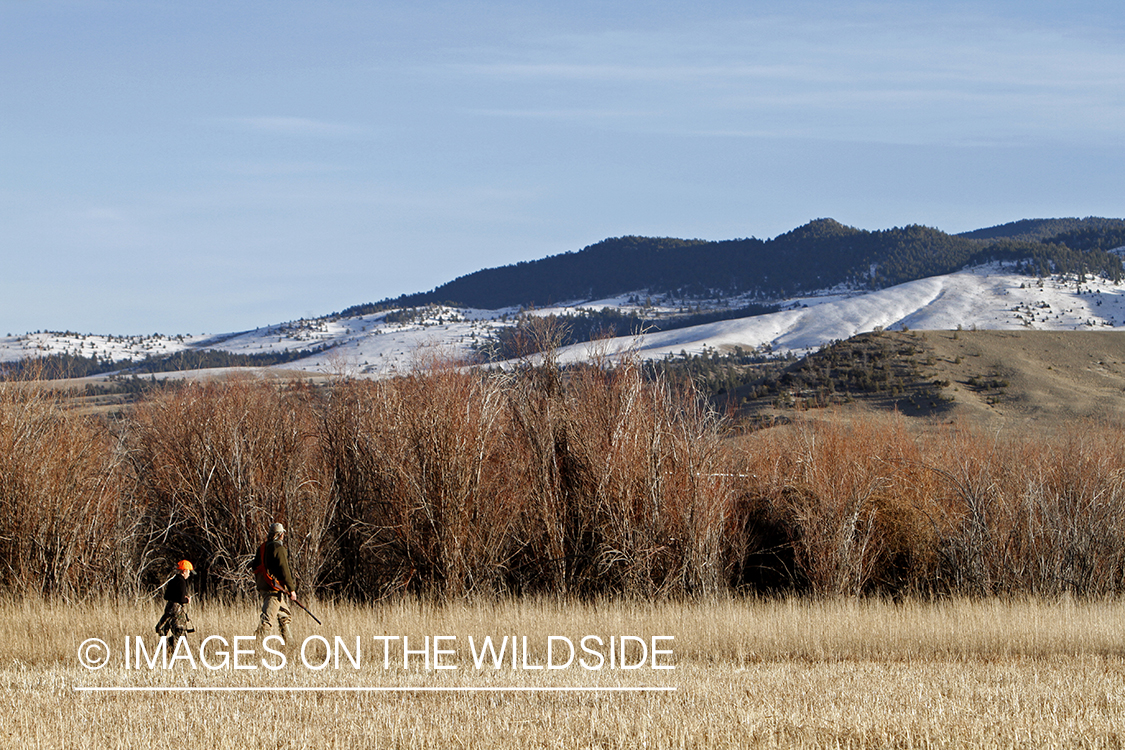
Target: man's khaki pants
{"x": 274, "y": 607}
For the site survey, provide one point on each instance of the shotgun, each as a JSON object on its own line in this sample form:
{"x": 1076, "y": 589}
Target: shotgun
{"x": 298, "y": 603}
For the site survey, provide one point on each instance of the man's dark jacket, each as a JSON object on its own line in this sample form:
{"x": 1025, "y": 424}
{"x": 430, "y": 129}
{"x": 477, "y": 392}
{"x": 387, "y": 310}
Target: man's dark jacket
{"x": 276, "y": 558}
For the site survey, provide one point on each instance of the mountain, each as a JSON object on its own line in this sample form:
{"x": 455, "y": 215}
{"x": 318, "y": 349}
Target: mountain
{"x": 821, "y": 254}
{"x": 1049, "y": 230}
{"x": 819, "y": 283}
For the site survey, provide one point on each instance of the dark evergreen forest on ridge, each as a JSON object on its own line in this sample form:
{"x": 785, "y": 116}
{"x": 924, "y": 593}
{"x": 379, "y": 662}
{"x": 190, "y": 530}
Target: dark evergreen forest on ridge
{"x": 818, "y": 255}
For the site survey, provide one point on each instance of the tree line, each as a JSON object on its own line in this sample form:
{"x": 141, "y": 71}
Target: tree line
{"x": 66, "y": 365}
{"x": 818, "y": 255}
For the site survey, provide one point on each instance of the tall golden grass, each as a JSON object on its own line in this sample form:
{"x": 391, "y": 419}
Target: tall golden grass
{"x": 580, "y": 483}
{"x": 805, "y": 673}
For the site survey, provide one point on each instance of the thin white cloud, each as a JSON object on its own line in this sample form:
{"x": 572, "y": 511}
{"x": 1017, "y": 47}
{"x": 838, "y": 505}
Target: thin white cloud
{"x": 997, "y": 59}
{"x": 295, "y": 126}
{"x": 283, "y": 168}
{"x": 565, "y": 114}
{"x": 627, "y": 73}
{"x": 885, "y": 74}
{"x": 102, "y": 215}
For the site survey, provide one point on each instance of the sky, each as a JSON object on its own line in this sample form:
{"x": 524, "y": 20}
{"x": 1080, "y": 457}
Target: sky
{"x": 208, "y": 167}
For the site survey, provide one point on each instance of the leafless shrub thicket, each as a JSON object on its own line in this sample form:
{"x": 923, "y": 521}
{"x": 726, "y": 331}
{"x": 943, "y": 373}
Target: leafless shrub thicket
{"x": 585, "y": 482}
{"x": 626, "y": 482}
{"x": 425, "y": 499}
{"x": 850, "y": 501}
{"x": 1034, "y": 516}
{"x": 62, "y": 525}
{"x": 214, "y": 464}
{"x": 465, "y": 482}
{"x": 869, "y": 507}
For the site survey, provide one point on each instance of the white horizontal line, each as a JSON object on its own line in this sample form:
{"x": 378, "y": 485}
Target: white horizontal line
{"x": 375, "y": 689}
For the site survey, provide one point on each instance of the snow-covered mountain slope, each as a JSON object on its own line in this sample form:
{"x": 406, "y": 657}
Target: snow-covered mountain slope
{"x": 988, "y": 297}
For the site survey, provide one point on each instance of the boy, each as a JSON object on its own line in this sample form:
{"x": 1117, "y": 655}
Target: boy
{"x": 175, "y": 621}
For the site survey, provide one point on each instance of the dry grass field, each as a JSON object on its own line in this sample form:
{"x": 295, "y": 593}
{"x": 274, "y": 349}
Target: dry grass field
{"x": 748, "y": 673}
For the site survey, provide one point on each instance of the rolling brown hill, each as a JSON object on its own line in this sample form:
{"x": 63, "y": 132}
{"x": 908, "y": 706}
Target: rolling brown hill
{"x": 994, "y": 379}
{"x": 1012, "y": 378}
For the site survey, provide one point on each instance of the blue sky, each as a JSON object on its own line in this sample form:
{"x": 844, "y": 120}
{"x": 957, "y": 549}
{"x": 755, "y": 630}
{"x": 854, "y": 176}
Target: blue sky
{"x": 189, "y": 167}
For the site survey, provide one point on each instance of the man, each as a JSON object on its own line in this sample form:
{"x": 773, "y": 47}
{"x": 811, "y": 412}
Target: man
{"x": 175, "y": 620}
{"x": 275, "y": 583}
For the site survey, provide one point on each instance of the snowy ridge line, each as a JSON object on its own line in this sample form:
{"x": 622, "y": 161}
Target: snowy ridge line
{"x": 386, "y": 343}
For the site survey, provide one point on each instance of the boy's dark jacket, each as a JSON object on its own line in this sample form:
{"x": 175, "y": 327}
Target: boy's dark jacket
{"x": 177, "y": 590}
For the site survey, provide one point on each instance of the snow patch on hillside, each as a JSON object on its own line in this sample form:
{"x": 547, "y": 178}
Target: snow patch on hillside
{"x": 988, "y": 297}
{"x": 386, "y": 343}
